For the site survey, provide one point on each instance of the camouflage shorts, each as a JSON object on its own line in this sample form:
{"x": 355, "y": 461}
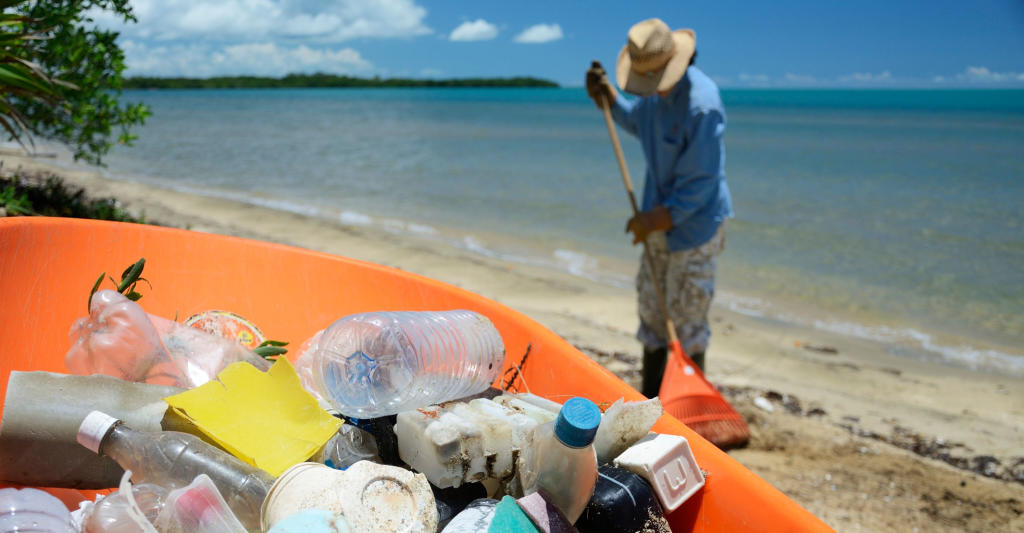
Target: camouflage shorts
{"x": 688, "y": 279}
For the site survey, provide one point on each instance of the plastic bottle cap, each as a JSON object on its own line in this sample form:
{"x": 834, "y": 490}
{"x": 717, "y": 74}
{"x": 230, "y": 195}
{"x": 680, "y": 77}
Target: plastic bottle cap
{"x": 577, "y": 422}
{"x": 94, "y": 428}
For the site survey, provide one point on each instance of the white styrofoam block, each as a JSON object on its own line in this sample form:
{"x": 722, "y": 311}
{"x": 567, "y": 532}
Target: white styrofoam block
{"x": 461, "y": 442}
{"x": 667, "y": 463}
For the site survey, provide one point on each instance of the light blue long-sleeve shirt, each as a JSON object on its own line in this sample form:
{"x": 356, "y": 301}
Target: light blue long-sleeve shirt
{"x": 682, "y": 139}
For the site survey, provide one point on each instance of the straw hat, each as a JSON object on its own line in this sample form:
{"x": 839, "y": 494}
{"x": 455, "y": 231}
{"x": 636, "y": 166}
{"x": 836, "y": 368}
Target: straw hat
{"x": 654, "y": 58}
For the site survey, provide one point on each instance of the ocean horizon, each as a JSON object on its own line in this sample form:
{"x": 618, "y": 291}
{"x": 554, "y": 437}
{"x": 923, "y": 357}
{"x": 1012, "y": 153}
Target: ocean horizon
{"x": 890, "y": 215}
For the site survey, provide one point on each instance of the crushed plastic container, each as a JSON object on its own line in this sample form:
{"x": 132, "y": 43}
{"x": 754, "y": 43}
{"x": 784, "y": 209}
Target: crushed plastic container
{"x": 33, "y": 510}
{"x": 371, "y": 497}
{"x": 347, "y": 447}
{"x": 173, "y": 460}
{"x": 130, "y": 509}
{"x": 561, "y": 461}
{"x": 382, "y": 429}
{"x": 667, "y": 463}
{"x": 461, "y": 442}
{"x": 198, "y": 508}
{"x": 201, "y": 355}
{"x": 374, "y": 364}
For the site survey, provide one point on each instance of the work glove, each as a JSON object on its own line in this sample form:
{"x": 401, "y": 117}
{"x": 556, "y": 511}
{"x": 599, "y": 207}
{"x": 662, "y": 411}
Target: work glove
{"x": 598, "y": 86}
{"x": 642, "y": 224}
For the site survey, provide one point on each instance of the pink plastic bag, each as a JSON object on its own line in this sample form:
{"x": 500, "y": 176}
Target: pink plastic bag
{"x": 117, "y": 339}
{"x": 120, "y": 339}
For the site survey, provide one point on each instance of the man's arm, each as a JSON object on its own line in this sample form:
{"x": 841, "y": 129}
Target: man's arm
{"x": 601, "y": 90}
{"x": 624, "y": 113}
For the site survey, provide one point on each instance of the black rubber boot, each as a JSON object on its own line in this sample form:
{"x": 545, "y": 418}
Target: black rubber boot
{"x": 653, "y": 370}
{"x": 698, "y": 359}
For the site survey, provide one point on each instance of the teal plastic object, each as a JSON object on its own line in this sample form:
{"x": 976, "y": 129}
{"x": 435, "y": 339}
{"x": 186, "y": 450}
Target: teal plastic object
{"x": 509, "y": 518}
{"x": 312, "y": 521}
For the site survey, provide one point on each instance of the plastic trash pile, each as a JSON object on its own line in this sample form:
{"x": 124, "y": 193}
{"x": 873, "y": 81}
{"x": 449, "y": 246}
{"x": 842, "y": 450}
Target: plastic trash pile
{"x": 387, "y": 422}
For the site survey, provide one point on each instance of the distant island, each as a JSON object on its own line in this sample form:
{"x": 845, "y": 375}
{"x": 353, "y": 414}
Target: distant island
{"x": 323, "y": 80}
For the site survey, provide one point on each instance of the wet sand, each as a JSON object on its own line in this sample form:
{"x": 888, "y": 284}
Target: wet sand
{"x": 865, "y": 440}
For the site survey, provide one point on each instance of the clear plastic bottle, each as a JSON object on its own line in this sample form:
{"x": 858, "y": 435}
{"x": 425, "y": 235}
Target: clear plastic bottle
{"x": 374, "y": 364}
{"x": 562, "y": 462}
{"x": 173, "y": 460}
{"x": 347, "y": 447}
{"x": 33, "y": 510}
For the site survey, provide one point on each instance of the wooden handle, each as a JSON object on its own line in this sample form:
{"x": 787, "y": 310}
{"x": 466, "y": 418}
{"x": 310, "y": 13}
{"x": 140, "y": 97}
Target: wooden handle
{"x": 606, "y": 108}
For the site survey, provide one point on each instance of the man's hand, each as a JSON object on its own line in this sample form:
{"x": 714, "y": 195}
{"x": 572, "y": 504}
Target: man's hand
{"x": 598, "y": 86}
{"x": 642, "y": 224}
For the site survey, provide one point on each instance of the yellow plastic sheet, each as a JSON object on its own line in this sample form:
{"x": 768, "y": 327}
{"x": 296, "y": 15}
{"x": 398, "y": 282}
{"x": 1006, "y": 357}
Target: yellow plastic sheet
{"x": 265, "y": 419}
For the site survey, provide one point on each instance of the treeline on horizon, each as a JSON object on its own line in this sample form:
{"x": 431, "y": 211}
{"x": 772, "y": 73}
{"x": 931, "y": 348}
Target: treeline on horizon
{"x": 323, "y": 80}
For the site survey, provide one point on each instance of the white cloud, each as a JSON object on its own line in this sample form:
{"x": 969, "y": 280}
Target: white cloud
{"x": 863, "y": 77}
{"x": 984, "y": 75}
{"x": 799, "y": 78}
{"x": 754, "y": 78}
{"x": 260, "y": 59}
{"x": 540, "y": 33}
{"x": 258, "y": 20}
{"x": 477, "y": 30}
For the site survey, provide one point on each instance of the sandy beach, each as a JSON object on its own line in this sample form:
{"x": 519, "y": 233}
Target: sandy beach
{"x": 865, "y": 440}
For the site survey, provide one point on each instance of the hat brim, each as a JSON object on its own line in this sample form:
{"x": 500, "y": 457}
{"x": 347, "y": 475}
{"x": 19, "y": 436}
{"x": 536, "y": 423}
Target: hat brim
{"x": 659, "y": 80}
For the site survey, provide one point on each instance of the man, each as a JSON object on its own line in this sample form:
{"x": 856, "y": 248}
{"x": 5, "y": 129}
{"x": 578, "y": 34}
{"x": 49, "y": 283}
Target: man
{"x": 680, "y": 121}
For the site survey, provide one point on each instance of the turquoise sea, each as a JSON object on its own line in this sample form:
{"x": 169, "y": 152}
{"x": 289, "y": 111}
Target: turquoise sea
{"x": 889, "y": 215}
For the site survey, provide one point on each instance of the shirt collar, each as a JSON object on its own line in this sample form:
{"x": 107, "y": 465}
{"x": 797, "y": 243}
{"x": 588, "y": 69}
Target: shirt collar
{"x": 681, "y": 89}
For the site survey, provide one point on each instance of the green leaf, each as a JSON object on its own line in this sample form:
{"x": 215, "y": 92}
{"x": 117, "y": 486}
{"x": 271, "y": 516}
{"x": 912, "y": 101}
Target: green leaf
{"x": 95, "y": 287}
{"x": 269, "y": 351}
{"x": 133, "y": 296}
{"x": 272, "y": 343}
{"x": 131, "y": 275}
{"x": 64, "y": 74}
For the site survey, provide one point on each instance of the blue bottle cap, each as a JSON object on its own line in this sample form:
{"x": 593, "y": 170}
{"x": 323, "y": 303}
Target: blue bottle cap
{"x": 577, "y": 422}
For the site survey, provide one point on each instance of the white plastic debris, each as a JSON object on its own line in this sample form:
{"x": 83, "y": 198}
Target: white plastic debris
{"x": 764, "y": 404}
{"x": 462, "y": 442}
{"x": 622, "y": 425}
{"x": 667, "y": 463}
{"x": 370, "y": 496}
{"x": 535, "y": 407}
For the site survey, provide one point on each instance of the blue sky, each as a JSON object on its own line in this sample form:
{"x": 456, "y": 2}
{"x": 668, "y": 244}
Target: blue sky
{"x": 783, "y": 43}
